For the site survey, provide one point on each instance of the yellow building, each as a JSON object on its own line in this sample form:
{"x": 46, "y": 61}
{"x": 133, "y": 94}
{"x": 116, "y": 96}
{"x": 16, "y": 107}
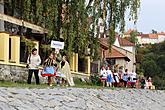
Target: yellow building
{"x": 10, "y": 49}
{"x": 12, "y": 52}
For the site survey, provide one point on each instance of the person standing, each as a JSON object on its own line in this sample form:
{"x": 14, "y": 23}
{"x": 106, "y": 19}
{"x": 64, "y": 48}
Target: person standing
{"x": 109, "y": 77}
{"x": 116, "y": 78}
{"x": 125, "y": 77}
{"x": 33, "y": 62}
{"x": 49, "y": 68}
{"x": 143, "y": 82}
{"x": 149, "y": 83}
{"x": 103, "y": 73}
{"x": 65, "y": 68}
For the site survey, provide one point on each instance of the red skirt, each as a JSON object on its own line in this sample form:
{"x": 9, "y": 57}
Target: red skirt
{"x": 47, "y": 74}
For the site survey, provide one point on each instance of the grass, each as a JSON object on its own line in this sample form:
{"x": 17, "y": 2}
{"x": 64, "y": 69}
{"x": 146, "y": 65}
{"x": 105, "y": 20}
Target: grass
{"x": 44, "y": 86}
{"x": 22, "y": 85}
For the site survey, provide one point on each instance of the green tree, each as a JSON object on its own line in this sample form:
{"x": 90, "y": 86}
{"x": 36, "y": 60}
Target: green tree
{"x": 152, "y": 63}
{"x": 67, "y": 20}
{"x": 133, "y": 37}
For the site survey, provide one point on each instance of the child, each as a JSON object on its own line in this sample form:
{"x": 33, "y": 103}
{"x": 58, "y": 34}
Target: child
{"x": 103, "y": 75}
{"x": 49, "y": 69}
{"x": 109, "y": 77}
{"x": 143, "y": 82}
{"x": 125, "y": 77}
{"x": 149, "y": 83}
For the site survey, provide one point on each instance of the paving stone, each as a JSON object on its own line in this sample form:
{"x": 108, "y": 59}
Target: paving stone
{"x": 80, "y": 99}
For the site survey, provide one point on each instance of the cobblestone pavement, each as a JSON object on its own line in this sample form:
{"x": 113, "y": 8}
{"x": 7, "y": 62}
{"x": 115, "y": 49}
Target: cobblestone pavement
{"x": 80, "y": 99}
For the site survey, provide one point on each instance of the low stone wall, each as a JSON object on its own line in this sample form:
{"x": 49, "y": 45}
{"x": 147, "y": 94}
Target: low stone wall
{"x": 16, "y": 74}
{"x": 13, "y": 73}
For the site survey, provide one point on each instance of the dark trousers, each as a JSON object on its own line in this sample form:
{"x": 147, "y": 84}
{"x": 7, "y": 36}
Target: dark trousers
{"x": 30, "y": 76}
{"x": 125, "y": 83}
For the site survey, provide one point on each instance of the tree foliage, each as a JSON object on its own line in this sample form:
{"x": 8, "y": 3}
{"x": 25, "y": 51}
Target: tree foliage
{"x": 153, "y": 63}
{"x": 68, "y": 20}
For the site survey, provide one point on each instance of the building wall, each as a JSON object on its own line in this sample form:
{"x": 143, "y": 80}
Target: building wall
{"x": 129, "y": 48}
{"x": 128, "y": 65}
{"x": 139, "y": 38}
{"x": 10, "y": 67}
{"x": 4, "y": 47}
{"x": 153, "y": 41}
{"x": 149, "y": 41}
{"x": 116, "y": 43}
{"x": 161, "y": 38}
{"x": 145, "y": 40}
{"x": 121, "y": 62}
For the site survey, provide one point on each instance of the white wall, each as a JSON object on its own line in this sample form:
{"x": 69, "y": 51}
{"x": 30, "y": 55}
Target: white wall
{"x": 161, "y": 38}
{"x": 116, "y": 43}
{"x": 145, "y": 40}
{"x": 129, "y": 48}
{"x": 153, "y": 41}
{"x": 128, "y": 65}
{"x": 139, "y": 38}
{"x": 120, "y": 62}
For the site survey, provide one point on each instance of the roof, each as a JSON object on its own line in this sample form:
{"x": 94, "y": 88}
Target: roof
{"x": 153, "y": 36}
{"x": 125, "y": 42}
{"x": 161, "y": 33}
{"x": 129, "y": 32}
{"x": 115, "y": 54}
{"x": 103, "y": 44}
{"x": 150, "y": 36}
{"x": 122, "y": 41}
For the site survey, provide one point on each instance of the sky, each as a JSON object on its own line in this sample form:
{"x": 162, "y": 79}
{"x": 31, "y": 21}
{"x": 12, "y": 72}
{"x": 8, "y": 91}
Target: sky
{"x": 151, "y": 16}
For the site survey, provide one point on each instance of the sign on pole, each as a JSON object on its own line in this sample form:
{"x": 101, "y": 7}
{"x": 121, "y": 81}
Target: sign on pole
{"x": 57, "y": 44}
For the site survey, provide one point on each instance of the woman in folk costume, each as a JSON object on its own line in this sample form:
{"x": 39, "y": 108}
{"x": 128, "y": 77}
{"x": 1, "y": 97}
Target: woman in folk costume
{"x": 103, "y": 73}
{"x": 65, "y": 68}
{"x": 49, "y": 69}
{"x": 116, "y": 78}
{"x": 109, "y": 77}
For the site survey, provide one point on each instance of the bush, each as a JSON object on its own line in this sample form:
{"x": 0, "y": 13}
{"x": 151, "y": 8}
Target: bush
{"x": 95, "y": 79}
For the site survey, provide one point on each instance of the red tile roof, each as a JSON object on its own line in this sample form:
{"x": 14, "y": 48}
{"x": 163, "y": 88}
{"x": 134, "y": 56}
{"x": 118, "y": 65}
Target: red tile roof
{"x": 122, "y": 41}
{"x": 150, "y": 36}
{"x": 103, "y": 44}
{"x": 129, "y": 32}
{"x": 161, "y": 33}
{"x": 115, "y": 54}
{"x": 125, "y": 42}
{"x": 153, "y": 36}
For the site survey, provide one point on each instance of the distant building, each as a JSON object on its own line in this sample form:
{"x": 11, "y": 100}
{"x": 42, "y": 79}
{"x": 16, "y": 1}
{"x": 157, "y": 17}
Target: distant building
{"x": 122, "y": 53}
{"x": 144, "y": 39}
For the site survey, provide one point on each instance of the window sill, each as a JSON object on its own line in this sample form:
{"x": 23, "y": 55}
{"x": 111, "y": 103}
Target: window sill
{"x": 13, "y": 64}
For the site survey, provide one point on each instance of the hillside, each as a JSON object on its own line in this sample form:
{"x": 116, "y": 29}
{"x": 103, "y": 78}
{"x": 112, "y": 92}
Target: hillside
{"x": 152, "y": 63}
{"x": 81, "y": 99}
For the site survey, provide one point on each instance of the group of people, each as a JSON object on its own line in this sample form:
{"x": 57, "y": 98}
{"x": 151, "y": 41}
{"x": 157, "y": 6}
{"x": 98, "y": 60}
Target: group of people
{"x": 121, "y": 79}
{"x": 117, "y": 79}
{"x": 53, "y": 67}
{"x": 146, "y": 83}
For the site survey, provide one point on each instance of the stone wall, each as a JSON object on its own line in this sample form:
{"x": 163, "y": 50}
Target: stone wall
{"x": 16, "y": 74}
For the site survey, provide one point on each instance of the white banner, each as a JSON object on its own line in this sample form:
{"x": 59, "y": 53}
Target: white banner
{"x": 57, "y": 44}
